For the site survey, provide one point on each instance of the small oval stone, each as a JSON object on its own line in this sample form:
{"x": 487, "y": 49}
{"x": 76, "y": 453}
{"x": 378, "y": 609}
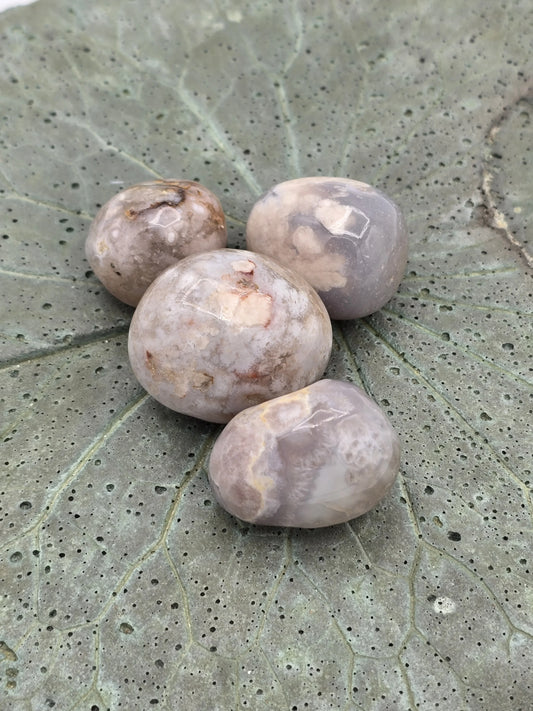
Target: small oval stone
{"x": 147, "y": 227}
{"x": 221, "y": 331}
{"x": 345, "y": 237}
{"x": 312, "y": 458}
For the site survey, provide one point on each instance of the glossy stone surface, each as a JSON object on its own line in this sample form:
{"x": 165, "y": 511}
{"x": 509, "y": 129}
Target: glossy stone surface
{"x": 313, "y": 458}
{"x": 147, "y": 227}
{"x": 221, "y": 331}
{"x": 346, "y": 238}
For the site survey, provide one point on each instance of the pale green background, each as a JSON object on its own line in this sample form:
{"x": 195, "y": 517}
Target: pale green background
{"x": 123, "y": 585}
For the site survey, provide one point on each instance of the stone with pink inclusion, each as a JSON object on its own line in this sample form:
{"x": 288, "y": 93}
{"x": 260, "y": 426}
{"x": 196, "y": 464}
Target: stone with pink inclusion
{"x": 316, "y": 457}
{"x": 224, "y": 330}
{"x": 145, "y": 228}
{"x": 345, "y": 237}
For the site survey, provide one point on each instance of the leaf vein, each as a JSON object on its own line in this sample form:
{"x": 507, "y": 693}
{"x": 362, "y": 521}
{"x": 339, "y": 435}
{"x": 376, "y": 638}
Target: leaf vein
{"x": 442, "y": 398}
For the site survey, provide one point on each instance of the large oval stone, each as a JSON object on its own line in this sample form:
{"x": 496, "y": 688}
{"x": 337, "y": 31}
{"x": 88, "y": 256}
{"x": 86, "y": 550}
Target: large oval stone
{"x": 221, "y": 331}
{"x": 147, "y": 227}
{"x": 316, "y": 457}
{"x": 346, "y": 238}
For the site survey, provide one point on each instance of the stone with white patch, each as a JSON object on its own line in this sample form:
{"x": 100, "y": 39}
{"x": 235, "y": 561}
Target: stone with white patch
{"x": 346, "y": 238}
{"x": 222, "y": 331}
{"x": 316, "y": 457}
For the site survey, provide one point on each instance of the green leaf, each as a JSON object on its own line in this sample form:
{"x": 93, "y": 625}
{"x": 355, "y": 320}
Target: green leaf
{"x": 124, "y": 585}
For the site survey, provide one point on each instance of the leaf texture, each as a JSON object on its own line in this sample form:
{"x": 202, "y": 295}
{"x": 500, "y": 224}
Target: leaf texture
{"x": 124, "y": 585}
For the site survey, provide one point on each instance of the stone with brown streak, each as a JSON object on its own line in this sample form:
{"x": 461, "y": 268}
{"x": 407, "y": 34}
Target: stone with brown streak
{"x": 346, "y": 238}
{"x": 147, "y": 227}
{"x": 312, "y": 458}
{"x": 221, "y": 331}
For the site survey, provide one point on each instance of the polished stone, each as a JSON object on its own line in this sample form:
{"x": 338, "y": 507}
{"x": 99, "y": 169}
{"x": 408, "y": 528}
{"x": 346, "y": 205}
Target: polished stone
{"x": 147, "y": 227}
{"x": 346, "y": 238}
{"x": 312, "y": 458}
{"x": 221, "y": 331}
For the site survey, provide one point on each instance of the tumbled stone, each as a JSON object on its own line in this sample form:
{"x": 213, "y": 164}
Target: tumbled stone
{"x": 221, "y": 331}
{"x": 312, "y": 458}
{"x": 346, "y": 238}
{"x": 147, "y": 227}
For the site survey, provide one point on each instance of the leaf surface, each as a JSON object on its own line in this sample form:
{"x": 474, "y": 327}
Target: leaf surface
{"x": 124, "y": 585}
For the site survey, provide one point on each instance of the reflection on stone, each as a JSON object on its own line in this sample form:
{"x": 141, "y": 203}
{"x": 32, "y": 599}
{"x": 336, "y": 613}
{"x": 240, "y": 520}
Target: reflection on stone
{"x": 221, "y": 331}
{"x": 312, "y": 458}
{"x": 147, "y": 227}
{"x": 346, "y": 238}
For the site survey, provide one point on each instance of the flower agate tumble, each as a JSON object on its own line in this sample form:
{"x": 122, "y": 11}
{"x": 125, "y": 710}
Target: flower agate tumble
{"x": 346, "y": 238}
{"x": 313, "y": 458}
{"x": 221, "y": 331}
{"x": 144, "y": 229}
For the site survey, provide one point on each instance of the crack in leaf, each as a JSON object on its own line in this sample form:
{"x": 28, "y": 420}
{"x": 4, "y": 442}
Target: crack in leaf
{"x": 498, "y": 221}
{"x": 495, "y": 218}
